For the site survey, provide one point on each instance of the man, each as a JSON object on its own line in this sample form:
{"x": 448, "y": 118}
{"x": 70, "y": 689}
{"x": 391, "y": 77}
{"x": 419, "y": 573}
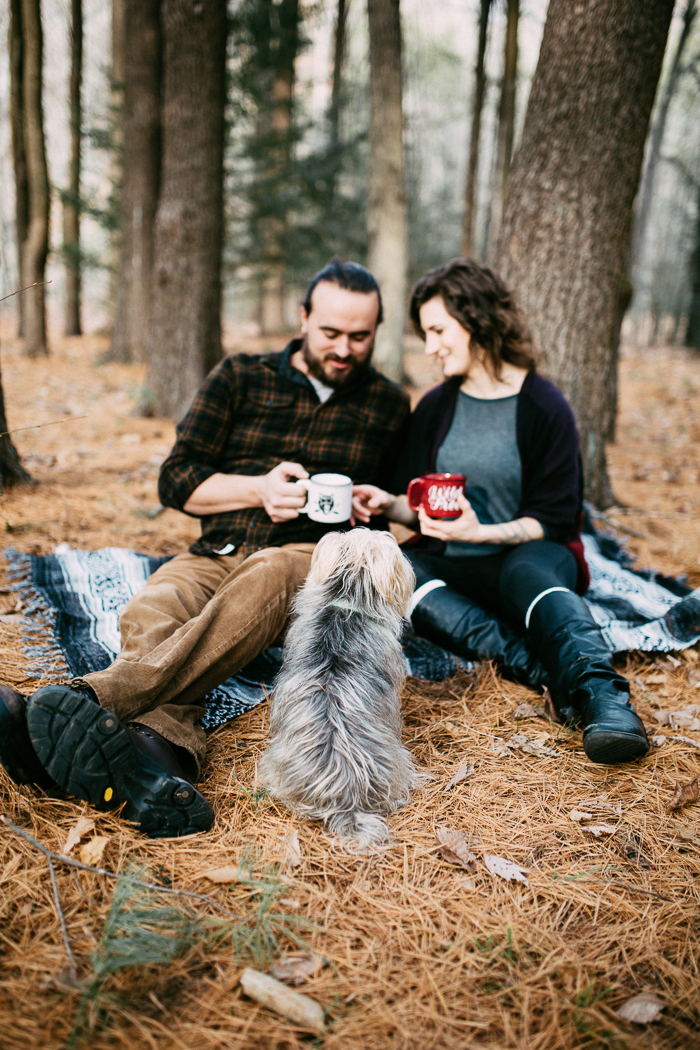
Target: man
{"x": 258, "y": 425}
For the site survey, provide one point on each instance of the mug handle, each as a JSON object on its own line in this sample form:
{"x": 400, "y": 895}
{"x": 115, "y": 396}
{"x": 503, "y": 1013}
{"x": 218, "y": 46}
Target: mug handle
{"x": 415, "y": 485}
{"x": 305, "y": 483}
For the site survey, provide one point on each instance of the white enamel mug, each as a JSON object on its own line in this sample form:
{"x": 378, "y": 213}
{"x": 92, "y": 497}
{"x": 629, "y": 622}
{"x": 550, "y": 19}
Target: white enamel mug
{"x": 329, "y": 498}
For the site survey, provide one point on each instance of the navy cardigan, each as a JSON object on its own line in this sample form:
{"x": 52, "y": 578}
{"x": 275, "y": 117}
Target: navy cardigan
{"x": 552, "y": 475}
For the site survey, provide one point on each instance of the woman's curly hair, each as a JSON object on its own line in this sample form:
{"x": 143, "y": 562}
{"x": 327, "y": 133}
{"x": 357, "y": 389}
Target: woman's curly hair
{"x": 479, "y": 300}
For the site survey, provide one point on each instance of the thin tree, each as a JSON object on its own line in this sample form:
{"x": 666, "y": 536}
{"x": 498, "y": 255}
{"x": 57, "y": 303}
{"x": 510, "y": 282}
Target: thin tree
{"x": 478, "y": 96}
{"x": 16, "y": 52}
{"x": 114, "y": 140}
{"x": 692, "y": 333}
{"x": 71, "y": 197}
{"x": 386, "y": 215}
{"x": 36, "y": 244}
{"x": 656, "y": 141}
{"x": 11, "y": 470}
{"x": 506, "y": 109}
{"x": 339, "y": 48}
{"x": 567, "y": 224}
{"x": 185, "y": 329}
{"x": 141, "y": 133}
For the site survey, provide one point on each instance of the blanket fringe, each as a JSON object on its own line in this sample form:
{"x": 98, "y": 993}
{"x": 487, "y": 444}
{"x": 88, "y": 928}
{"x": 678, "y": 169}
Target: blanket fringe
{"x": 38, "y": 625}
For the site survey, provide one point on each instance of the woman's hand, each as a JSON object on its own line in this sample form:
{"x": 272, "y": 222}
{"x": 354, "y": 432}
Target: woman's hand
{"x": 368, "y": 500}
{"x": 465, "y": 529}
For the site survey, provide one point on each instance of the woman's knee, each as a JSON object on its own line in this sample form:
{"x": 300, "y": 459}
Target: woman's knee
{"x": 533, "y": 568}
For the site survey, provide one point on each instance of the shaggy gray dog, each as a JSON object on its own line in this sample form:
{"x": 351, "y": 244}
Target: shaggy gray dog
{"x": 335, "y": 751}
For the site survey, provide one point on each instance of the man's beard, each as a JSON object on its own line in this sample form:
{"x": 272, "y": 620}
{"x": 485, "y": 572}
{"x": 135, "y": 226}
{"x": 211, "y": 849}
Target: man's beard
{"x": 315, "y": 366}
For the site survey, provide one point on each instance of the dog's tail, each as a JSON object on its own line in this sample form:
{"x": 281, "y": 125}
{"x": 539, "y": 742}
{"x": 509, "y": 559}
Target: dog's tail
{"x": 358, "y": 830}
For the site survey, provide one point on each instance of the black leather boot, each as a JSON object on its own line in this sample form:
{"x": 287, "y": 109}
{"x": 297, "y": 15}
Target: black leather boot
{"x": 572, "y": 648}
{"x": 17, "y": 755}
{"x": 447, "y": 618}
{"x": 88, "y": 751}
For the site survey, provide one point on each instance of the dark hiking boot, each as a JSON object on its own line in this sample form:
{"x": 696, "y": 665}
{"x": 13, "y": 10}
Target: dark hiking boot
{"x": 93, "y": 756}
{"x": 17, "y": 755}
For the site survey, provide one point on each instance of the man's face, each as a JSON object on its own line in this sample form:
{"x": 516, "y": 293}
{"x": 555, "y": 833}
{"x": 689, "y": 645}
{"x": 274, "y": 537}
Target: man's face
{"x": 338, "y": 332}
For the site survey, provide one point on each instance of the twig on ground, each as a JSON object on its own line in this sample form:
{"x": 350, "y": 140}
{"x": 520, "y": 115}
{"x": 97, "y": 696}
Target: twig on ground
{"x": 72, "y": 863}
{"x": 686, "y": 740}
{"x": 62, "y": 920}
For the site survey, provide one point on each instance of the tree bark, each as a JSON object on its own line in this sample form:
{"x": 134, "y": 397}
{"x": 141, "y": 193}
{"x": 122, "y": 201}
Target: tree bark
{"x": 141, "y": 131}
{"x": 36, "y": 244}
{"x": 339, "y": 38}
{"x": 506, "y": 111}
{"x": 692, "y": 333}
{"x": 656, "y": 141}
{"x": 386, "y": 213}
{"x": 16, "y": 53}
{"x": 116, "y": 142}
{"x": 185, "y": 330}
{"x": 566, "y": 228}
{"x": 71, "y": 199}
{"x": 479, "y": 93}
{"x": 11, "y": 470}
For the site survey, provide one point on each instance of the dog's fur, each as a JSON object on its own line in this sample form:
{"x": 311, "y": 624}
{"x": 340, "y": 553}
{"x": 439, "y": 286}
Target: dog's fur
{"x": 335, "y": 751}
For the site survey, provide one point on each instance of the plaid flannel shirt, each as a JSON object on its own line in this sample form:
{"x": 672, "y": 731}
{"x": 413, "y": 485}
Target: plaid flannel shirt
{"x": 253, "y": 412}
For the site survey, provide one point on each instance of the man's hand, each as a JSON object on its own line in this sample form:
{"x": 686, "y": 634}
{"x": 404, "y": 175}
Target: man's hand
{"x": 279, "y": 494}
{"x": 368, "y": 500}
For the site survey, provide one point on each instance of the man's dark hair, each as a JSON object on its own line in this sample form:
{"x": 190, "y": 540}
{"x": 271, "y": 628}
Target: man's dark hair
{"x": 477, "y": 297}
{"x": 348, "y": 275}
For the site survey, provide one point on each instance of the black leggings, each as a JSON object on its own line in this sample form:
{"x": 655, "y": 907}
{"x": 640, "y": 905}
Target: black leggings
{"x": 507, "y": 582}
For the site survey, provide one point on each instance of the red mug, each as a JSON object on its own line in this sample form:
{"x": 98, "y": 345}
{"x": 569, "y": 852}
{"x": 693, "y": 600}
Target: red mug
{"x": 437, "y": 494}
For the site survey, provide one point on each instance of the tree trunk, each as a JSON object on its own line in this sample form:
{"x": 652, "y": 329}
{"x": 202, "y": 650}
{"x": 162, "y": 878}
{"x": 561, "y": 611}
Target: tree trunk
{"x": 116, "y": 143}
{"x": 568, "y": 217}
{"x": 71, "y": 199}
{"x": 655, "y": 143}
{"x": 141, "y": 150}
{"x": 386, "y": 213}
{"x": 16, "y": 52}
{"x": 475, "y": 134}
{"x": 36, "y": 244}
{"x": 692, "y": 332}
{"x": 185, "y": 330}
{"x": 11, "y": 470}
{"x": 339, "y": 37}
{"x": 506, "y": 112}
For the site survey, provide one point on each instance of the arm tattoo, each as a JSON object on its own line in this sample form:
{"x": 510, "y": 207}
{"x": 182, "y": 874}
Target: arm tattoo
{"x": 513, "y": 532}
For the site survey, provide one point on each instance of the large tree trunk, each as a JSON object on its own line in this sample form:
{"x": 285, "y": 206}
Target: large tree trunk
{"x": 36, "y": 244}
{"x": 11, "y": 470}
{"x": 71, "y": 199}
{"x": 185, "y": 330}
{"x": 506, "y": 112}
{"x": 16, "y": 51}
{"x": 386, "y": 213}
{"x": 116, "y": 143}
{"x": 567, "y": 223}
{"x": 656, "y": 141}
{"x": 479, "y": 93}
{"x": 141, "y": 152}
{"x": 692, "y": 333}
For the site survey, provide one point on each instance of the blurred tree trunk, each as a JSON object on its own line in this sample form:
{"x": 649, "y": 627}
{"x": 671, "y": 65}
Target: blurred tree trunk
{"x": 141, "y": 132}
{"x": 36, "y": 244}
{"x": 11, "y": 470}
{"x": 16, "y": 53}
{"x": 567, "y": 223}
{"x": 284, "y": 41}
{"x": 71, "y": 199}
{"x": 656, "y": 141}
{"x": 692, "y": 333}
{"x": 339, "y": 45}
{"x": 506, "y": 113}
{"x": 386, "y": 214}
{"x": 479, "y": 93}
{"x": 116, "y": 146}
{"x": 185, "y": 329}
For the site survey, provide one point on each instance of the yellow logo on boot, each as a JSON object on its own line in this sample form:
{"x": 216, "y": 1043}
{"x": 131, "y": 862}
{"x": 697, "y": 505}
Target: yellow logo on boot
{"x": 108, "y": 795}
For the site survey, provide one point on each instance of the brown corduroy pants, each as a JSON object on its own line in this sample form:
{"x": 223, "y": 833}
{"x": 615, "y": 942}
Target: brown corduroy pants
{"x": 197, "y": 621}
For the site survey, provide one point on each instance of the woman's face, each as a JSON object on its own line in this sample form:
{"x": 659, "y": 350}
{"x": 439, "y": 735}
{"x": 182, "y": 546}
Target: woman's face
{"x": 445, "y": 338}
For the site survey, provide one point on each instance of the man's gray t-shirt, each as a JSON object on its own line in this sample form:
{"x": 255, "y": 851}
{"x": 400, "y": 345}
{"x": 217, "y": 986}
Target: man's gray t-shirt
{"x": 482, "y": 443}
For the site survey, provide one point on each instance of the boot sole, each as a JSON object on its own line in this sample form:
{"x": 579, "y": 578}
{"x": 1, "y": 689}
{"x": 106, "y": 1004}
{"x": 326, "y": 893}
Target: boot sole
{"x": 610, "y": 746}
{"x": 15, "y": 747}
{"x": 86, "y": 749}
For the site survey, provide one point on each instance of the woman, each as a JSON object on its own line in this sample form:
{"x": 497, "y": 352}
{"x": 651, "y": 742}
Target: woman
{"x": 515, "y": 550}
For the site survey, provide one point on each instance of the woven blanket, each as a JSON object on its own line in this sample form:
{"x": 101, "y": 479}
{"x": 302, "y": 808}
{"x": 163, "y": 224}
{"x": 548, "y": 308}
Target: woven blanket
{"x": 72, "y": 600}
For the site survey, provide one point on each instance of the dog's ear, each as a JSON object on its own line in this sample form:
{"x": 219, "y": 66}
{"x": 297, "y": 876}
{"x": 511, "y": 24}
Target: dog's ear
{"x": 329, "y": 555}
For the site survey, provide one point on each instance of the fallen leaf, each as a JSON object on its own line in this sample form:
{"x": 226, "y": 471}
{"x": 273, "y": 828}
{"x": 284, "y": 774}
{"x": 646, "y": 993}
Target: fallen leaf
{"x": 628, "y": 784}
{"x": 685, "y": 719}
{"x": 601, "y": 829}
{"x": 528, "y": 711}
{"x": 605, "y": 807}
{"x": 452, "y": 729}
{"x": 227, "y": 873}
{"x": 684, "y": 794}
{"x": 465, "y": 770}
{"x": 505, "y": 869}
{"x": 91, "y": 852}
{"x": 641, "y": 1009}
{"x": 295, "y": 969}
{"x": 454, "y": 849}
{"x": 550, "y": 710}
{"x": 662, "y": 717}
{"x": 498, "y": 748}
{"x": 290, "y": 850}
{"x": 289, "y": 903}
{"x": 11, "y": 618}
{"x": 658, "y": 741}
{"x": 531, "y": 747}
{"x": 297, "y": 1008}
{"x": 656, "y": 679}
{"x": 83, "y": 825}
{"x": 688, "y": 835}
{"x": 687, "y": 740}
{"x": 578, "y": 815}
